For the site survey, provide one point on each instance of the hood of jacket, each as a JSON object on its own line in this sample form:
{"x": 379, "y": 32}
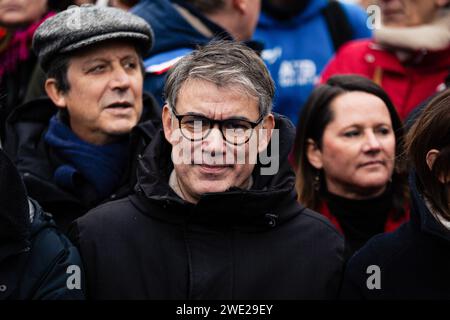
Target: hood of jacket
{"x": 421, "y": 216}
{"x": 171, "y": 29}
{"x": 270, "y": 201}
{"x": 312, "y": 9}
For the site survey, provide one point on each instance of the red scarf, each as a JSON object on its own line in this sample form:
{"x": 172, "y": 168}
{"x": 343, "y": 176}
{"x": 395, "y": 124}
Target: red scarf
{"x": 16, "y": 47}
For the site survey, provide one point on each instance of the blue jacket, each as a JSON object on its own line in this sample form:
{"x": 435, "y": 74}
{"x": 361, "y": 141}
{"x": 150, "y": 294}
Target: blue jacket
{"x": 298, "y": 49}
{"x": 174, "y": 38}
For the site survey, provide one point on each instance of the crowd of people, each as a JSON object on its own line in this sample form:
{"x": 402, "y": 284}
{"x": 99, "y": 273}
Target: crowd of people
{"x": 228, "y": 149}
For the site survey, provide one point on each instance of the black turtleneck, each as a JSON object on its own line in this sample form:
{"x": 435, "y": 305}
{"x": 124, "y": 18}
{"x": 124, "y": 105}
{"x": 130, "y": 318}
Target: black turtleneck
{"x": 360, "y": 219}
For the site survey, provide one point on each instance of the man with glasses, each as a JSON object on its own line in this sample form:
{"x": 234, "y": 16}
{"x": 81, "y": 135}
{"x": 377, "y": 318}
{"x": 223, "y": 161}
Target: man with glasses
{"x": 207, "y": 221}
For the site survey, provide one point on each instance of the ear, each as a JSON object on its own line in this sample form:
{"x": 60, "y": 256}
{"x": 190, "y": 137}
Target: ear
{"x": 167, "y": 123}
{"x": 264, "y": 138}
{"x": 240, "y": 5}
{"x": 431, "y": 157}
{"x": 57, "y": 97}
{"x": 441, "y": 3}
{"x": 314, "y": 154}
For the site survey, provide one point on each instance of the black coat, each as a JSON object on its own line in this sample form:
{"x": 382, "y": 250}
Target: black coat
{"x": 239, "y": 244}
{"x": 34, "y": 255}
{"x": 36, "y": 161}
{"x": 414, "y": 260}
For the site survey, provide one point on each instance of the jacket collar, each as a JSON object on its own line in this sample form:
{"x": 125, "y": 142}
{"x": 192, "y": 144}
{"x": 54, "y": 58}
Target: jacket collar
{"x": 418, "y": 62}
{"x": 421, "y": 215}
{"x": 434, "y": 36}
{"x": 271, "y": 200}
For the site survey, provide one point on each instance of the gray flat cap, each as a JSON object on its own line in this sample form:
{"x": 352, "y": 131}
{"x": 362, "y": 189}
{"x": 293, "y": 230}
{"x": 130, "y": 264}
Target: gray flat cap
{"x": 79, "y": 27}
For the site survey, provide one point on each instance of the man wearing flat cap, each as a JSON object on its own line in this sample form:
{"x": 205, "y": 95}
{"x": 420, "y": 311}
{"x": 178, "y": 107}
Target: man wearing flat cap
{"x": 77, "y": 148}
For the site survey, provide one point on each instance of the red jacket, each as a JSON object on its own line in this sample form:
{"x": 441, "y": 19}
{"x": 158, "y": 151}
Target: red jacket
{"x": 407, "y": 85}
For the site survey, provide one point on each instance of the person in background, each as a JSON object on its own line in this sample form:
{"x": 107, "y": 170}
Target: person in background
{"x": 207, "y": 224}
{"x": 362, "y": 3}
{"x": 77, "y": 147}
{"x": 413, "y": 261}
{"x": 19, "y": 20}
{"x": 409, "y": 56}
{"x": 414, "y": 115}
{"x": 36, "y": 260}
{"x": 299, "y": 38}
{"x": 182, "y": 25}
{"x": 123, "y": 4}
{"x": 347, "y": 157}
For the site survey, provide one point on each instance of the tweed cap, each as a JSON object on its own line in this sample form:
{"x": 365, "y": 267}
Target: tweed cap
{"x": 79, "y": 27}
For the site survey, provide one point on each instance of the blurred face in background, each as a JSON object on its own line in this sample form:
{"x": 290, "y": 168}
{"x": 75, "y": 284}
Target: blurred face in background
{"x": 357, "y": 154}
{"x": 123, "y": 4}
{"x": 247, "y": 25}
{"x": 408, "y": 13}
{"x": 17, "y": 13}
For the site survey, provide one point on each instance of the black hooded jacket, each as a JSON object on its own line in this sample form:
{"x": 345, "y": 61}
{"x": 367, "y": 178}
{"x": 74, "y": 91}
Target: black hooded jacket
{"x": 239, "y": 244}
{"x": 34, "y": 255}
{"x": 36, "y": 161}
{"x": 413, "y": 261}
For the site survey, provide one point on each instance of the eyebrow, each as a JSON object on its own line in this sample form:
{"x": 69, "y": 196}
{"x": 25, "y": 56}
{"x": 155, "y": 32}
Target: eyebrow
{"x": 108, "y": 60}
{"x": 359, "y": 126}
{"x": 230, "y": 118}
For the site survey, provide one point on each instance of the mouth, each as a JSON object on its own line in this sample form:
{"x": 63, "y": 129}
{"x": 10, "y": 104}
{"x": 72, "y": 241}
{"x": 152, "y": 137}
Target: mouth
{"x": 390, "y": 12}
{"x": 213, "y": 168}
{"x": 11, "y": 7}
{"x": 119, "y": 105}
{"x": 372, "y": 163}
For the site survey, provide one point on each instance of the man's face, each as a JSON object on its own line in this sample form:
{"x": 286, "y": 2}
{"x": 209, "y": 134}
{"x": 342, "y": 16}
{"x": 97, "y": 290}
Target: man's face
{"x": 105, "y": 96}
{"x": 15, "y": 13}
{"x": 209, "y": 169}
{"x": 408, "y": 13}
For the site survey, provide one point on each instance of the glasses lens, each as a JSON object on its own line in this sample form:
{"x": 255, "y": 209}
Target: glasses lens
{"x": 194, "y": 127}
{"x": 237, "y": 131}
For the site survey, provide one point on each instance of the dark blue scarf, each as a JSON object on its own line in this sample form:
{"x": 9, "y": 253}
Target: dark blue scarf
{"x": 101, "y": 166}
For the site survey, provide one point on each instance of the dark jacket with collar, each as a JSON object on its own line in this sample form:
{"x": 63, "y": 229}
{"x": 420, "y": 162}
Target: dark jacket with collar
{"x": 36, "y": 161}
{"x": 239, "y": 244}
{"x": 413, "y": 261}
{"x": 34, "y": 255}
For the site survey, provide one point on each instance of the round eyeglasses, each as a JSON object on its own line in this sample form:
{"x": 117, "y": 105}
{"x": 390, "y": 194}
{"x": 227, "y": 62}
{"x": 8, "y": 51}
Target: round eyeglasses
{"x": 196, "y": 127}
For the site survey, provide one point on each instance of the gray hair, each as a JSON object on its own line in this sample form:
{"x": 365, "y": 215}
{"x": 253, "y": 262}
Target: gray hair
{"x": 226, "y": 64}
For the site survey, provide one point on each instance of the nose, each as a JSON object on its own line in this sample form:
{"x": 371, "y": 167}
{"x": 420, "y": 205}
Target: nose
{"x": 120, "y": 79}
{"x": 371, "y": 143}
{"x": 214, "y": 143}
